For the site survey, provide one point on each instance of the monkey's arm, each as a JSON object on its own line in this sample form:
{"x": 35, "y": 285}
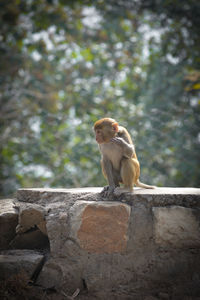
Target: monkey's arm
{"x": 128, "y": 149}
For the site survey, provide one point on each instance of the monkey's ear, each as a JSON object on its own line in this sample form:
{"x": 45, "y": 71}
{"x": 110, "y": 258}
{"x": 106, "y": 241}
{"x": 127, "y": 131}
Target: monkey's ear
{"x": 115, "y": 127}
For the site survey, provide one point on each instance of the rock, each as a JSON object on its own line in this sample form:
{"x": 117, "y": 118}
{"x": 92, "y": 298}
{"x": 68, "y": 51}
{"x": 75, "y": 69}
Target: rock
{"x": 18, "y": 261}
{"x": 8, "y": 222}
{"x": 100, "y": 227}
{"x": 30, "y": 216}
{"x": 46, "y": 195}
{"x": 176, "y": 226}
{"x": 57, "y": 230}
{"x": 51, "y": 275}
{"x": 164, "y": 296}
{"x": 55, "y": 275}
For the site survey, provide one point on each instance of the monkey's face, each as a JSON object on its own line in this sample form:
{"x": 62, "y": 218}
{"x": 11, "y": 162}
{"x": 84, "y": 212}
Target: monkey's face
{"x": 104, "y": 135}
{"x": 105, "y": 129}
{"x": 99, "y": 136}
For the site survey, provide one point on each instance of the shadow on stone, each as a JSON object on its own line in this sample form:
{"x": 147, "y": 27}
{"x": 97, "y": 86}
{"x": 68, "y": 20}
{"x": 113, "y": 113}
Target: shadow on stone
{"x": 32, "y": 239}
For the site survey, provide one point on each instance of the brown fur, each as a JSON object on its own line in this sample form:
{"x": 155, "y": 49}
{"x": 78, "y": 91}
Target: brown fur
{"x": 119, "y": 161}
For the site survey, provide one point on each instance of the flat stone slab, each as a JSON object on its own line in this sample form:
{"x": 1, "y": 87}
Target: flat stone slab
{"x": 155, "y": 197}
{"x": 137, "y": 191}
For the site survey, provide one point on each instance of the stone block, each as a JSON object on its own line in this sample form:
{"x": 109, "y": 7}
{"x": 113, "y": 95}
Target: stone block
{"x": 176, "y": 226}
{"x": 18, "y": 261}
{"x": 30, "y": 216}
{"x": 100, "y": 227}
{"x": 56, "y": 274}
{"x": 8, "y": 222}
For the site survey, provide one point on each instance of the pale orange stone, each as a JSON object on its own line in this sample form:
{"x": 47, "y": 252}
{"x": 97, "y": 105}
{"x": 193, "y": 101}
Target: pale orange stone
{"x": 104, "y": 228}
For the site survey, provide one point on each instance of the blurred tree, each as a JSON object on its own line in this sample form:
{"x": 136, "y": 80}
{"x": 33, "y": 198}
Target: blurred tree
{"x": 66, "y": 64}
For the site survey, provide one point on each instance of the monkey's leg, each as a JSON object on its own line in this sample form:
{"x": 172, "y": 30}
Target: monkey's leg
{"x": 127, "y": 173}
{"x": 105, "y": 188}
{"x": 115, "y": 173}
{"x": 116, "y": 177}
{"x": 111, "y": 177}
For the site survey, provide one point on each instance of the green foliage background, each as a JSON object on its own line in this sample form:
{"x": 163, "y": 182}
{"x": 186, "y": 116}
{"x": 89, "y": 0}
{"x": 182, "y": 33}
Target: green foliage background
{"x": 65, "y": 64}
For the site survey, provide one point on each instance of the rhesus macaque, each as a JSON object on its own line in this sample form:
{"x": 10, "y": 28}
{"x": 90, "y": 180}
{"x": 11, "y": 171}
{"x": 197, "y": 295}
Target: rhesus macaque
{"x": 119, "y": 161}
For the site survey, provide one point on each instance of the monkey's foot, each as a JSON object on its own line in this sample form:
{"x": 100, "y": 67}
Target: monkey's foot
{"x": 119, "y": 191}
{"x": 105, "y": 189}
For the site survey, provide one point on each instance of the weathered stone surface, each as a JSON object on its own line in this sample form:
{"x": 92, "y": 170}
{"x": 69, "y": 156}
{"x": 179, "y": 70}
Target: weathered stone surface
{"x": 100, "y": 227}
{"x": 177, "y": 226}
{"x": 140, "y": 228}
{"x": 106, "y": 245}
{"x": 8, "y": 222}
{"x": 18, "y": 261}
{"x": 51, "y": 275}
{"x": 55, "y": 275}
{"x": 30, "y": 216}
{"x": 57, "y": 230}
{"x": 47, "y": 195}
{"x": 156, "y": 197}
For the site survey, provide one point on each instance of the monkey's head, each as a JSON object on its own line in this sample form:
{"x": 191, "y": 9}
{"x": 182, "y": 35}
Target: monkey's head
{"x": 105, "y": 129}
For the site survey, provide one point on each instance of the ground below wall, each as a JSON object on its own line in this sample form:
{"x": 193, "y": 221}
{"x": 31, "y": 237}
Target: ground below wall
{"x": 141, "y": 245}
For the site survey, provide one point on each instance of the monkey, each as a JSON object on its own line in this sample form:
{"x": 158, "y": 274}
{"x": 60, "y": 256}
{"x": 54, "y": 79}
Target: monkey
{"x": 119, "y": 162}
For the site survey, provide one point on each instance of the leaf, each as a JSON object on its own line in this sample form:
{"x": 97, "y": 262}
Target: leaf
{"x": 87, "y": 54}
{"x": 196, "y": 86}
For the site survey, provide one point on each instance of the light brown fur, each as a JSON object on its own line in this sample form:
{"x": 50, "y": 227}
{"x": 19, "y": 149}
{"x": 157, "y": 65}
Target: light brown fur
{"x": 119, "y": 161}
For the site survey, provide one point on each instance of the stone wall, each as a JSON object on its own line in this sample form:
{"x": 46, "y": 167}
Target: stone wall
{"x": 146, "y": 241}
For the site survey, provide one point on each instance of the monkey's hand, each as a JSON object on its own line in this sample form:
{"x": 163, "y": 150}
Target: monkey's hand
{"x": 128, "y": 149}
{"x": 118, "y": 141}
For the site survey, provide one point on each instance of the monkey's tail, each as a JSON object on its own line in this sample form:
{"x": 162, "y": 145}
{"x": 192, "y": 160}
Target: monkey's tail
{"x": 143, "y": 185}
